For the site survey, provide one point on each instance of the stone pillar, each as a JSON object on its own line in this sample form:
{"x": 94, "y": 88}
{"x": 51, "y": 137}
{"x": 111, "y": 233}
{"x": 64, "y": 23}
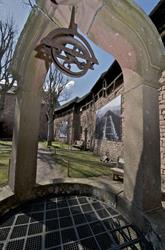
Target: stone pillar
{"x": 22, "y": 174}
{"x": 142, "y": 183}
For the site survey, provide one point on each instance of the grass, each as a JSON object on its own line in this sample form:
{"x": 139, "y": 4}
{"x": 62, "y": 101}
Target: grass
{"x": 82, "y": 164}
{"x": 5, "y": 150}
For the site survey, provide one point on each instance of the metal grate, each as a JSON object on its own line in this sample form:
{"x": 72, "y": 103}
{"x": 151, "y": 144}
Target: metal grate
{"x": 68, "y": 235}
{"x": 64, "y": 212}
{"x": 105, "y": 242}
{"x": 89, "y": 243}
{"x": 34, "y": 243}
{"x": 52, "y": 225}
{"x": 15, "y": 245}
{"x": 71, "y": 246}
{"x": 18, "y": 231}
{"x": 7, "y": 221}
{"x": 97, "y": 227}
{"x": 68, "y": 223}
{"x": 52, "y": 239}
{"x": 84, "y": 231}
{"x": 35, "y": 228}
{"x": 22, "y": 219}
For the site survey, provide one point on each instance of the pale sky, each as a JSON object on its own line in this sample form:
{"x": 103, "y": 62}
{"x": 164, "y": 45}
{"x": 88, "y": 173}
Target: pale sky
{"x": 19, "y": 11}
{"x": 113, "y": 105}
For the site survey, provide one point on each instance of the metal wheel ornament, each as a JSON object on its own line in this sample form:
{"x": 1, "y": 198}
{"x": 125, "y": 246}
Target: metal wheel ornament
{"x": 69, "y": 50}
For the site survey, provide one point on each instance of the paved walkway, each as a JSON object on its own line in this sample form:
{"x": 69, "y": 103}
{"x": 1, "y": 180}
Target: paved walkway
{"x": 47, "y": 169}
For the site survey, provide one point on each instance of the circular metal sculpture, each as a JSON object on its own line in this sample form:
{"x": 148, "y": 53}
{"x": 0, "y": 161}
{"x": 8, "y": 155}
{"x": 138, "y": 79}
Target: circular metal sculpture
{"x": 69, "y": 50}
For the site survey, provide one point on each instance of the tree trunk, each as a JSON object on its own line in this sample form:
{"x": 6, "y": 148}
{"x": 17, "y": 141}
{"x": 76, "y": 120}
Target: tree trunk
{"x": 2, "y": 104}
{"x": 50, "y": 133}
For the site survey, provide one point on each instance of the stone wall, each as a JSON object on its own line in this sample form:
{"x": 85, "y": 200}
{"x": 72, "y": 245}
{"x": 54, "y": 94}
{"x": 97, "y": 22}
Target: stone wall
{"x": 88, "y": 122}
{"x": 162, "y": 122}
{"x": 84, "y": 125}
{"x": 7, "y": 120}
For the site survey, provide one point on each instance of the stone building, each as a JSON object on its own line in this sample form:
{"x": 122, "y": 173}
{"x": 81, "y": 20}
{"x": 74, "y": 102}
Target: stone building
{"x": 7, "y": 119}
{"x": 81, "y": 112}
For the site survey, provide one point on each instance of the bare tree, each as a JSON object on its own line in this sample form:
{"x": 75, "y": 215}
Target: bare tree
{"x": 7, "y": 77}
{"x": 55, "y": 90}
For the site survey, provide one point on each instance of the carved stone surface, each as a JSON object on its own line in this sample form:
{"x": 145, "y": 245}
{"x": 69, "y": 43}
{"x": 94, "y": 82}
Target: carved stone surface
{"x": 162, "y": 79}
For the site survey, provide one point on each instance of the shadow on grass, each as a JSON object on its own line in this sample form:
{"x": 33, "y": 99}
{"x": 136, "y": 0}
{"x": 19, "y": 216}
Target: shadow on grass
{"x": 4, "y": 144}
{"x": 82, "y": 164}
{"x": 78, "y": 157}
{"x": 82, "y": 168}
{"x": 46, "y": 158}
{"x": 3, "y": 165}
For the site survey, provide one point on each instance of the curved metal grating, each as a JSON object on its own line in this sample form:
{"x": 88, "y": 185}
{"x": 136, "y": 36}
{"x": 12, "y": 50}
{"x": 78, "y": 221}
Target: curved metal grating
{"x": 68, "y": 223}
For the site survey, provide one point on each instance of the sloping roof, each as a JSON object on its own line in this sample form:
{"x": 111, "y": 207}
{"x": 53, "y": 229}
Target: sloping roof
{"x": 66, "y": 105}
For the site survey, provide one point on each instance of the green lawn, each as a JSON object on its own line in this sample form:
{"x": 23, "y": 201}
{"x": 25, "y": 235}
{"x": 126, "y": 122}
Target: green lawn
{"x": 81, "y": 163}
{"x": 5, "y": 150}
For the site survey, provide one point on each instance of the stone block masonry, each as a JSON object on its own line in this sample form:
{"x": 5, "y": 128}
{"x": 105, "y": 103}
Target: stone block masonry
{"x": 162, "y": 122}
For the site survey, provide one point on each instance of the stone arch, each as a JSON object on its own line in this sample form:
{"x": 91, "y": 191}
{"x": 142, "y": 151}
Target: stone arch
{"x": 122, "y": 29}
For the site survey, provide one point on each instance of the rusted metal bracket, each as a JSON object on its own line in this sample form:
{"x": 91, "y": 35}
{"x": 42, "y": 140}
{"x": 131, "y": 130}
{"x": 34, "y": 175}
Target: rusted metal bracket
{"x": 69, "y": 50}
